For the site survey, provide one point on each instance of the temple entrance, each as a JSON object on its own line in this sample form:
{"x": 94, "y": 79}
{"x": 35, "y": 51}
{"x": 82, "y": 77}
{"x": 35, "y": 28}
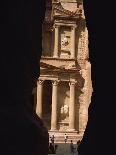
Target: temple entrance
{"x": 47, "y": 103}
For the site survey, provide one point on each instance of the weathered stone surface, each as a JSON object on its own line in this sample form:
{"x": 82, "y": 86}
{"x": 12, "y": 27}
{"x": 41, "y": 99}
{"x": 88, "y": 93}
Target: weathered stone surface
{"x": 65, "y": 61}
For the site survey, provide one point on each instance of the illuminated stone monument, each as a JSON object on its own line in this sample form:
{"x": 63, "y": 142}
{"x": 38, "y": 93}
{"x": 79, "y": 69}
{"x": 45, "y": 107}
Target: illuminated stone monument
{"x": 64, "y": 87}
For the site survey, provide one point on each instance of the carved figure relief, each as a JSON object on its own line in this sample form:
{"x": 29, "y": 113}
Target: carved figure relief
{"x": 65, "y": 41}
{"x": 64, "y": 112}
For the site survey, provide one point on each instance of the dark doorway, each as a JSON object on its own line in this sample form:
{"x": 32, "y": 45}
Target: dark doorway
{"x": 47, "y": 103}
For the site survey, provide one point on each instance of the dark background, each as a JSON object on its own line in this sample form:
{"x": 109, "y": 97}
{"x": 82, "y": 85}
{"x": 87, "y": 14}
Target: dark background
{"x": 21, "y": 130}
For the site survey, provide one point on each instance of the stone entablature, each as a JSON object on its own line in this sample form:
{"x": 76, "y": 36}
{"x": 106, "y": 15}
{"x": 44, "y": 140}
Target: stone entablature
{"x": 60, "y": 63}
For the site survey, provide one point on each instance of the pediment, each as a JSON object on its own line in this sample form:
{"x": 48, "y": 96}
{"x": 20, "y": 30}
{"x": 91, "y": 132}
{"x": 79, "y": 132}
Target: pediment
{"x": 47, "y": 66}
{"x": 58, "y": 10}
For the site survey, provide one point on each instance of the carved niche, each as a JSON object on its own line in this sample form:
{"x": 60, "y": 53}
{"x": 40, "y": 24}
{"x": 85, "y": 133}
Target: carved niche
{"x": 65, "y": 36}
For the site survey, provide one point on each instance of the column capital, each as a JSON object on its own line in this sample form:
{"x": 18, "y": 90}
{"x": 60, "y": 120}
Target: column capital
{"x": 72, "y": 83}
{"x": 56, "y": 26}
{"x": 40, "y": 81}
{"x": 73, "y": 27}
{"x": 55, "y": 82}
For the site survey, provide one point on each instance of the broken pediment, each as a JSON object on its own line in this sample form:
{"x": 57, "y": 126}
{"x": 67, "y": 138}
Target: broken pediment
{"x": 47, "y": 66}
{"x": 51, "y": 66}
{"x": 59, "y": 10}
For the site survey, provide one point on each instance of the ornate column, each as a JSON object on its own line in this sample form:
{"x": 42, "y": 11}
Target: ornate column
{"x": 56, "y": 41}
{"x": 54, "y": 105}
{"x": 73, "y": 40}
{"x": 39, "y": 98}
{"x": 72, "y": 106}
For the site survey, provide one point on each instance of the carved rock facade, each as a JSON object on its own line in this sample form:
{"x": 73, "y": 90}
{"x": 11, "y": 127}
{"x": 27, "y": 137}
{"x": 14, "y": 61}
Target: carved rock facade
{"x": 64, "y": 88}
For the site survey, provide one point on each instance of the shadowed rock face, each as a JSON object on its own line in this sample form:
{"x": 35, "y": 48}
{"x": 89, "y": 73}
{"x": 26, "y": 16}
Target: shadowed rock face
{"x": 98, "y": 138}
{"x": 21, "y": 130}
{"x": 21, "y": 43}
